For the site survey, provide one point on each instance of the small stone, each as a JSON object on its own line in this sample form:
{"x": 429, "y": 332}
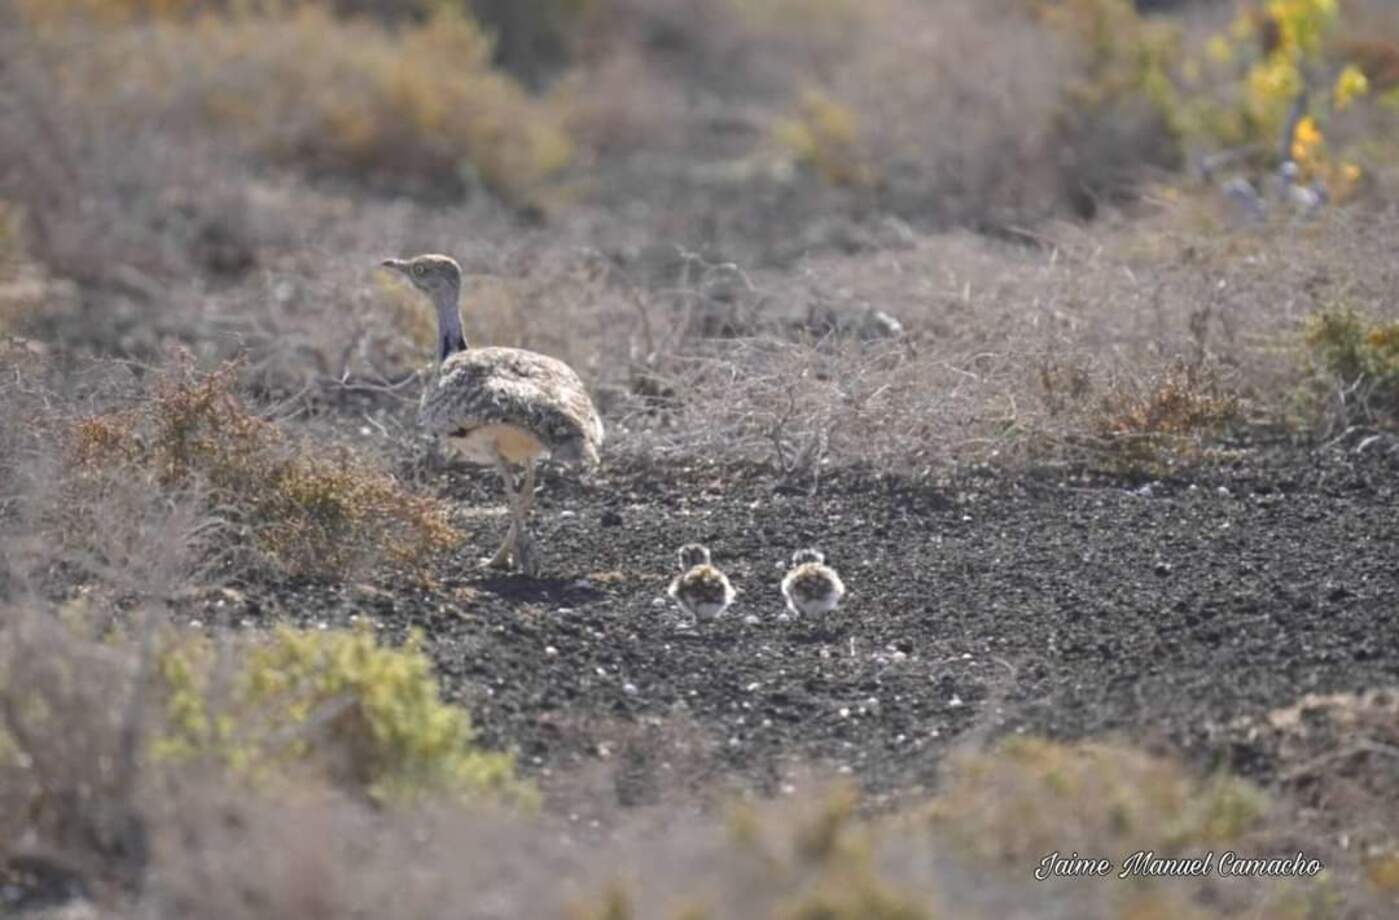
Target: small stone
{"x": 629, "y": 689}
{"x": 611, "y": 518}
{"x": 955, "y": 702}
{"x": 550, "y": 651}
{"x": 566, "y": 513}
{"x": 751, "y": 620}
{"x": 1163, "y": 568}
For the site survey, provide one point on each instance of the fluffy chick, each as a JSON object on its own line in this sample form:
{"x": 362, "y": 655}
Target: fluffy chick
{"x": 811, "y": 587}
{"x": 700, "y": 588}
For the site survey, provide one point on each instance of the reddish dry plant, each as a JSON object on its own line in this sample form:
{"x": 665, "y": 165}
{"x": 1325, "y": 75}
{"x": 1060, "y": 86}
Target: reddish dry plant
{"x": 1185, "y": 404}
{"x": 312, "y": 513}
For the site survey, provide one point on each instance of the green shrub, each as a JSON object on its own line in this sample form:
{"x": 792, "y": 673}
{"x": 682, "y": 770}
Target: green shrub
{"x": 823, "y": 136}
{"x": 371, "y": 718}
{"x": 1355, "y": 363}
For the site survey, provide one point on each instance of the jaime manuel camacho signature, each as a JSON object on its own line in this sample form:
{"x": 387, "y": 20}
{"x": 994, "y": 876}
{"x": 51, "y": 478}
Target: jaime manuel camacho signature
{"x": 1146, "y": 864}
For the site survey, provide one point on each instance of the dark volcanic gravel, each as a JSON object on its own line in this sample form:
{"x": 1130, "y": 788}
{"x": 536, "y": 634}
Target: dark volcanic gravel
{"x": 1055, "y": 604}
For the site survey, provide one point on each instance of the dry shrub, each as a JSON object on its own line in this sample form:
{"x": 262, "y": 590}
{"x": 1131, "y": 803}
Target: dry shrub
{"x": 1089, "y": 346}
{"x": 70, "y": 736}
{"x": 1028, "y": 797}
{"x": 308, "y": 513}
{"x": 420, "y": 107}
{"x": 1179, "y": 411}
{"x": 26, "y": 290}
{"x": 955, "y": 107}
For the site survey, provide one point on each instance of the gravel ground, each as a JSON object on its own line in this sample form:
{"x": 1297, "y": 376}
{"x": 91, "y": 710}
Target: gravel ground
{"x": 1066, "y": 605}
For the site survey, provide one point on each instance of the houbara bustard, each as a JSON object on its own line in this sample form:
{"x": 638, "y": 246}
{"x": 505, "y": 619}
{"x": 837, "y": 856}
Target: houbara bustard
{"x": 501, "y": 407}
{"x": 700, "y": 588}
{"x": 812, "y": 587}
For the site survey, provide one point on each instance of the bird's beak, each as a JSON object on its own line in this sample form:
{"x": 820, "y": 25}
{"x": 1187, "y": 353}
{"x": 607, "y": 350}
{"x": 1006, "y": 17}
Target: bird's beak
{"x": 397, "y": 265}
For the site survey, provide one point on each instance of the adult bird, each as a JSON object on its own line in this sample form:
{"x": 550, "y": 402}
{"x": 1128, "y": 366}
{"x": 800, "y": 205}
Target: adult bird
{"x": 501, "y": 407}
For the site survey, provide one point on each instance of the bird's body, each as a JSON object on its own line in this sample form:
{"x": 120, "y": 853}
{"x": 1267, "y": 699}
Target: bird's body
{"x": 700, "y": 589}
{"x": 519, "y": 403}
{"x": 505, "y": 407}
{"x": 812, "y": 587}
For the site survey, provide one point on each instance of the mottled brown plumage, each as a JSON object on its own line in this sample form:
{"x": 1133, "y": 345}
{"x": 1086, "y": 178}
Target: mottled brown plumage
{"x": 700, "y": 588}
{"x": 541, "y": 395}
{"x": 811, "y": 587}
{"x": 505, "y": 407}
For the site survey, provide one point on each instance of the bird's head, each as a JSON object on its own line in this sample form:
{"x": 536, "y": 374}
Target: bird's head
{"x": 693, "y": 554}
{"x": 432, "y": 274}
{"x": 803, "y": 556}
{"x": 439, "y": 277}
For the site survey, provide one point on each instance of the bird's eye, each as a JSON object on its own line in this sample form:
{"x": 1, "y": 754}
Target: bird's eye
{"x": 419, "y": 269}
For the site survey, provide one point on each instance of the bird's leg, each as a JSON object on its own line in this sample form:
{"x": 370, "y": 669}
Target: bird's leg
{"x": 524, "y": 544}
{"x": 502, "y": 557}
{"x": 436, "y": 460}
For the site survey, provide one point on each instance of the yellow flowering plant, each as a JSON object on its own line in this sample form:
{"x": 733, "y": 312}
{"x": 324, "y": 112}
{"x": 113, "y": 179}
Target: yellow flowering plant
{"x": 1280, "y": 56}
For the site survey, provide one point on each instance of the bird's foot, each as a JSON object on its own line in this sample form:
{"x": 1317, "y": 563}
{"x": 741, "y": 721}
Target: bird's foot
{"x": 525, "y": 557}
{"x": 502, "y": 559}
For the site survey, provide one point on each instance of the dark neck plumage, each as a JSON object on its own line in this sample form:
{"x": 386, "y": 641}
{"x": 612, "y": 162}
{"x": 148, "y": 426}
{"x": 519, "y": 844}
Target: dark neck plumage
{"x": 450, "y": 338}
